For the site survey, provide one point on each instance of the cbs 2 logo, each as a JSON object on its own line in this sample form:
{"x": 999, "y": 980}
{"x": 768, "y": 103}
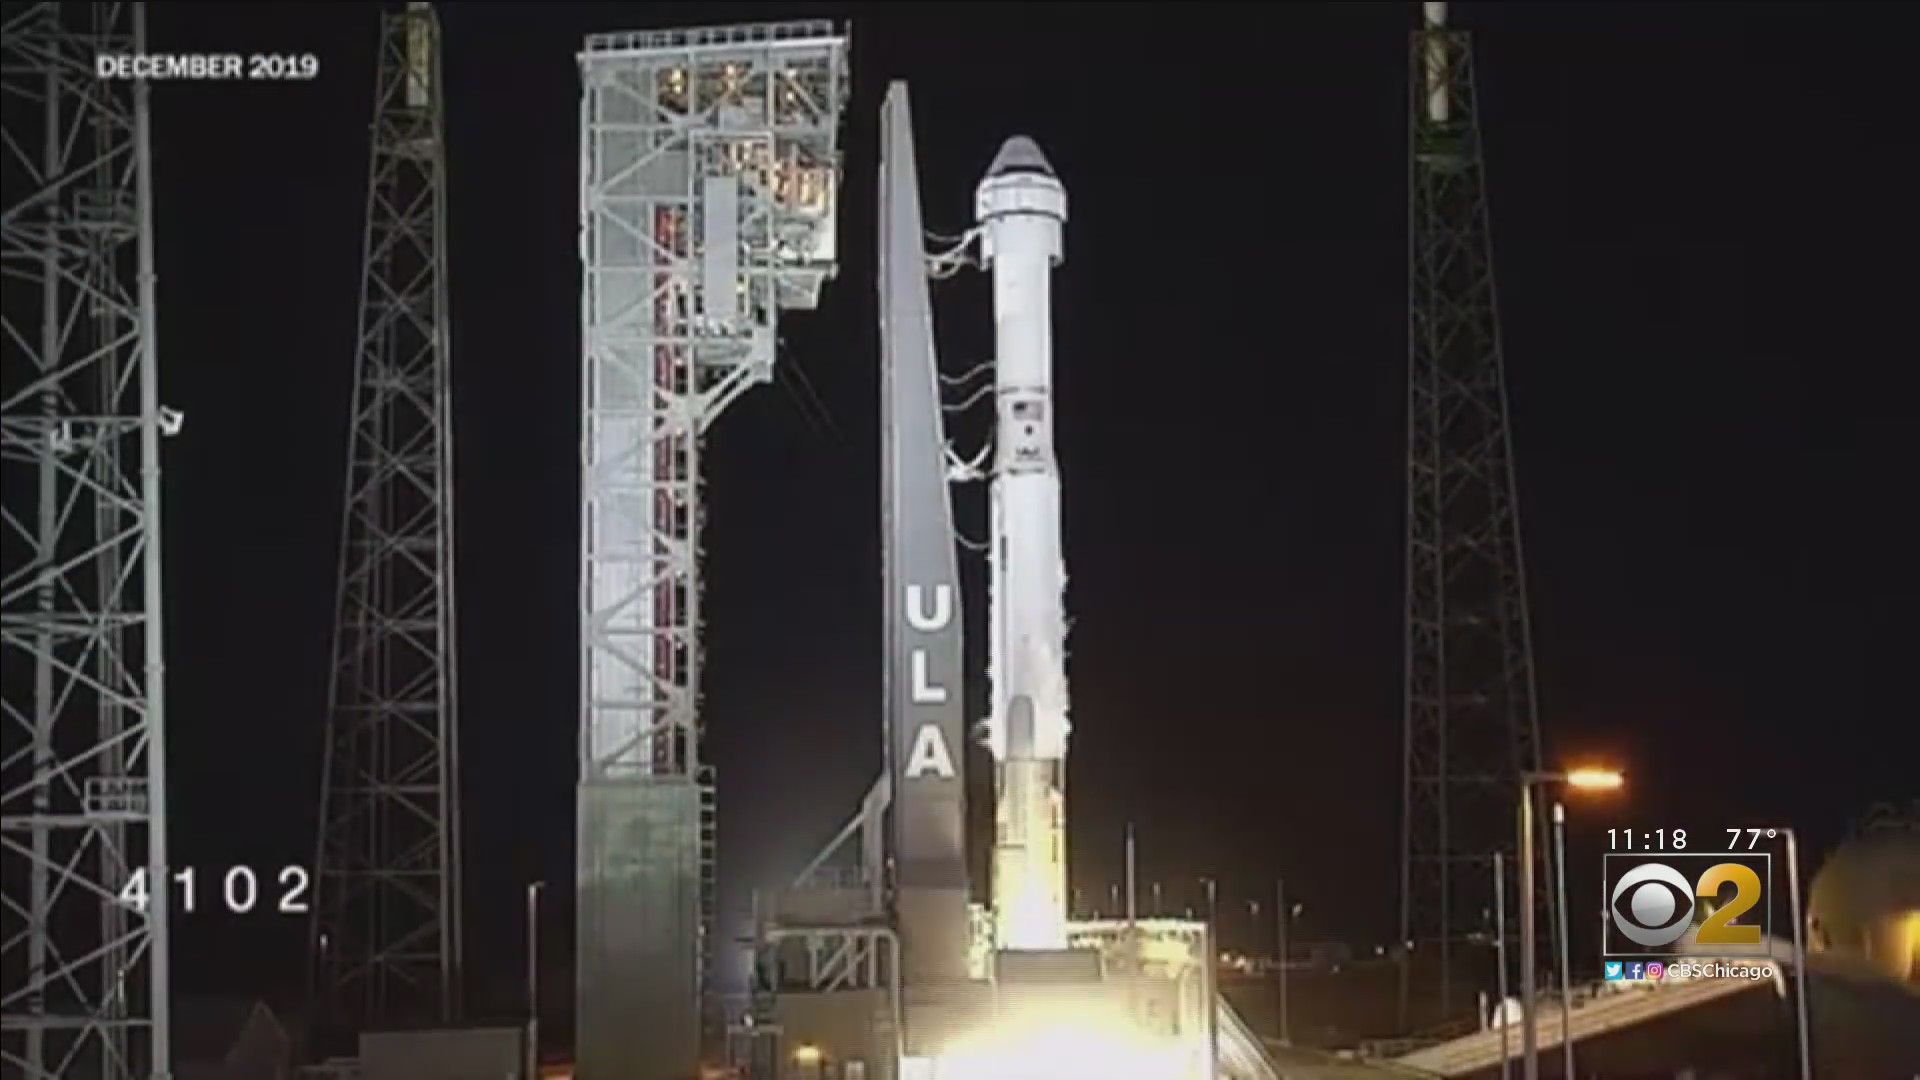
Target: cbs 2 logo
{"x": 1659, "y": 904}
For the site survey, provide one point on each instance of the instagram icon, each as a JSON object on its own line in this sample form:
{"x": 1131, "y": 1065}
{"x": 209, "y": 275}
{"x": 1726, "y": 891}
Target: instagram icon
{"x": 1655, "y": 969}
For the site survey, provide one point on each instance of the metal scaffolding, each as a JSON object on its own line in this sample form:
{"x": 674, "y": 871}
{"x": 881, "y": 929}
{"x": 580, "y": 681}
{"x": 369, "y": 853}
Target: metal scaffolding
{"x": 83, "y": 862}
{"x": 1472, "y": 730}
{"x": 387, "y": 940}
{"x": 709, "y": 175}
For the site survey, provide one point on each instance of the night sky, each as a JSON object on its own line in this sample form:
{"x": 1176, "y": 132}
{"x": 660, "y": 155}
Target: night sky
{"x": 1704, "y": 227}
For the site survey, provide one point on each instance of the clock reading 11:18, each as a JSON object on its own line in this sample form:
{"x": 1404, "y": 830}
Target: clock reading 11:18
{"x": 1647, "y": 840}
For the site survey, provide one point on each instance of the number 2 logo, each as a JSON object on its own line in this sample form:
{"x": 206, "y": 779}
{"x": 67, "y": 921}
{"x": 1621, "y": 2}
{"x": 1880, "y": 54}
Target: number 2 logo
{"x": 1653, "y": 904}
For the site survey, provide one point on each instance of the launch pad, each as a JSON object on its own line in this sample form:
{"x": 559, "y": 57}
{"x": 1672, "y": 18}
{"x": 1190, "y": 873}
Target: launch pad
{"x": 1126, "y": 1000}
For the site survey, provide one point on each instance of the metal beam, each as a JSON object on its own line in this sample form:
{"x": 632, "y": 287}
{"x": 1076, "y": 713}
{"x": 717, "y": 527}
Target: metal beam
{"x": 1471, "y": 725}
{"x": 387, "y": 946}
{"x": 83, "y": 798}
{"x": 709, "y": 177}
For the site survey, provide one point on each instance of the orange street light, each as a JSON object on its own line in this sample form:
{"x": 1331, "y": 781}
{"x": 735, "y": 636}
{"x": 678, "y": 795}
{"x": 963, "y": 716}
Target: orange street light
{"x": 1595, "y": 778}
{"x": 1588, "y": 779}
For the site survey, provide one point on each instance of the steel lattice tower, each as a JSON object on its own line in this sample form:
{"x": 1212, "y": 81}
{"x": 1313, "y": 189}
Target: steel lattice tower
{"x": 387, "y": 929}
{"x": 83, "y": 924}
{"x": 1471, "y": 725}
{"x": 709, "y": 174}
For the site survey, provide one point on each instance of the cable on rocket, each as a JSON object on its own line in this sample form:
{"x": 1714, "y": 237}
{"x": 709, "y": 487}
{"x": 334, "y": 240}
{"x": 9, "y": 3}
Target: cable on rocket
{"x": 944, "y": 264}
{"x": 968, "y": 375}
{"x": 969, "y": 401}
{"x": 960, "y": 470}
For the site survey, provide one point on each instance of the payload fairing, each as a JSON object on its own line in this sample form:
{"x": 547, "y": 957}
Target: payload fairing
{"x": 1021, "y": 208}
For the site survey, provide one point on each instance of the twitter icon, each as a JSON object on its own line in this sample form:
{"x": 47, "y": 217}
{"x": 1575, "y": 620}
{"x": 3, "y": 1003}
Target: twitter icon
{"x": 1613, "y": 969}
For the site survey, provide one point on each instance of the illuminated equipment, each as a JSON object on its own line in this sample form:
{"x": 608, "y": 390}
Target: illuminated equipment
{"x": 1471, "y": 726}
{"x": 710, "y": 174}
{"x": 84, "y": 988}
{"x": 1021, "y": 208}
{"x": 385, "y": 945}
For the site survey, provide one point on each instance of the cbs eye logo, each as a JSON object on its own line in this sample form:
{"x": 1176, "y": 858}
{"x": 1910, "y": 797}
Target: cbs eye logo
{"x": 1653, "y": 904}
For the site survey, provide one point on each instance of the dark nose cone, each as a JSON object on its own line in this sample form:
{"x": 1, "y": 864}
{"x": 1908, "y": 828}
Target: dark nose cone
{"x": 1019, "y": 155}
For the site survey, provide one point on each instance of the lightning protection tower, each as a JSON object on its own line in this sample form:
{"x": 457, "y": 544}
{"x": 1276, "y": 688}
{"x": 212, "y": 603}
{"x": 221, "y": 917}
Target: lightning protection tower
{"x": 710, "y": 169}
{"x": 387, "y": 942}
{"x": 83, "y": 862}
{"x": 1471, "y": 727}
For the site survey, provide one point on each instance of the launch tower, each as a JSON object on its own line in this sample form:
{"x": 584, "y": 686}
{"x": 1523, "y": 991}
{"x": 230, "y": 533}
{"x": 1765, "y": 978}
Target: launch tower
{"x": 709, "y": 178}
{"x": 1471, "y": 726}
{"x": 387, "y": 942}
{"x": 83, "y": 797}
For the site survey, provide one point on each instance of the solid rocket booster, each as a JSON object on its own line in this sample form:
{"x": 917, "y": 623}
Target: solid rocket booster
{"x": 1021, "y": 207}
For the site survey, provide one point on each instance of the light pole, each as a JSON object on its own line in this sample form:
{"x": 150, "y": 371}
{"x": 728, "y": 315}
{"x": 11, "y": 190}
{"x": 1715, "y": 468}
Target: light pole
{"x": 1133, "y": 885}
{"x": 1799, "y": 953}
{"x": 1283, "y": 915}
{"x": 1213, "y": 977}
{"x": 1560, "y": 902}
{"x": 1500, "y": 950}
{"x": 533, "y": 979}
{"x": 1529, "y": 1037}
{"x": 1529, "y": 1014}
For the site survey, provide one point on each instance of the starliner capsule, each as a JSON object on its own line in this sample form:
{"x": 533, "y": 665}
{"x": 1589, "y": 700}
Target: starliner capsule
{"x": 1021, "y": 208}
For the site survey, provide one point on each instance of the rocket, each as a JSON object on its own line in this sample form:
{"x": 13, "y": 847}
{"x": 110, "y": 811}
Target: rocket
{"x": 1021, "y": 210}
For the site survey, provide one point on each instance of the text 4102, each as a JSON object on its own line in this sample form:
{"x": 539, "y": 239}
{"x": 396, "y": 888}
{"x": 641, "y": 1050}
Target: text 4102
{"x": 238, "y": 891}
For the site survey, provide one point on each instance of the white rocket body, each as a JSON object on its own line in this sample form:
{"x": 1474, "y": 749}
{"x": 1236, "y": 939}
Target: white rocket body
{"x": 1022, "y": 208}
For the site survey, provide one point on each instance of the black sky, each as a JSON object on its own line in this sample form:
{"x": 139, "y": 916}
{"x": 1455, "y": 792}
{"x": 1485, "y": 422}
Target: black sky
{"x": 1704, "y": 227}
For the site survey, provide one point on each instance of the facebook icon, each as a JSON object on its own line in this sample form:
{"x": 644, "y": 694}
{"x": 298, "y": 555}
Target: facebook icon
{"x": 1636, "y": 970}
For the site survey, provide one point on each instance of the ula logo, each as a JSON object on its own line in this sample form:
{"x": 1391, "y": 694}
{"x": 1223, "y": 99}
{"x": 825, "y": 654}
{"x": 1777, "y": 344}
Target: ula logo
{"x": 1652, "y": 904}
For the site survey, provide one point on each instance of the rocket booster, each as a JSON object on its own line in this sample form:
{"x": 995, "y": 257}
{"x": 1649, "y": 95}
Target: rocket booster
{"x": 1021, "y": 208}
